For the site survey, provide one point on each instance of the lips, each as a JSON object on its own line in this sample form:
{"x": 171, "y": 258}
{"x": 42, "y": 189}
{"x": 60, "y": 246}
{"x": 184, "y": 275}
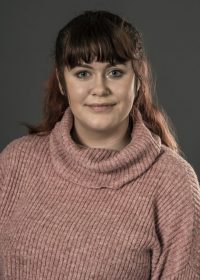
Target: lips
{"x": 103, "y": 107}
{"x": 101, "y": 104}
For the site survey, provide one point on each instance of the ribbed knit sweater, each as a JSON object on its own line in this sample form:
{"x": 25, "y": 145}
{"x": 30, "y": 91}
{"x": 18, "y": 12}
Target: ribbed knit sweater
{"x": 79, "y": 213}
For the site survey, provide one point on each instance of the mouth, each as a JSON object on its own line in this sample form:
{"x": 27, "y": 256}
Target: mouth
{"x": 101, "y": 107}
{"x": 101, "y": 104}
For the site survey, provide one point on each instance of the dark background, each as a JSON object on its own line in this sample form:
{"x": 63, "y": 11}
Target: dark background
{"x": 170, "y": 31}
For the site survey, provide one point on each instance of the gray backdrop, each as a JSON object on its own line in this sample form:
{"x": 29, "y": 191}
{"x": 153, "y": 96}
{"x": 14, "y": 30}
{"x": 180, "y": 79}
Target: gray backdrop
{"x": 170, "y": 32}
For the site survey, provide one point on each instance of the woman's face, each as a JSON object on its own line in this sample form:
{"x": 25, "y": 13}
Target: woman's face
{"x": 98, "y": 83}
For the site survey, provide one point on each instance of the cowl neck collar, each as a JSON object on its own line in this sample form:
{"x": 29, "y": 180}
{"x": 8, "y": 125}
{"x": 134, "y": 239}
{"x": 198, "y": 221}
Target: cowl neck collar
{"x": 98, "y": 167}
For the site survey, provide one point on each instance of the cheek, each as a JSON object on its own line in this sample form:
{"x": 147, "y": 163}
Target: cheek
{"x": 131, "y": 93}
{"x": 131, "y": 90}
{"x": 75, "y": 92}
{"x": 126, "y": 92}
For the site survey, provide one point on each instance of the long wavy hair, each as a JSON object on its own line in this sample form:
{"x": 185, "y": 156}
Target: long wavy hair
{"x": 107, "y": 37}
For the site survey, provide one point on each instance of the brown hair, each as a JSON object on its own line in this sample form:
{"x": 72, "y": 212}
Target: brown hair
{"x": 110, "y": 38}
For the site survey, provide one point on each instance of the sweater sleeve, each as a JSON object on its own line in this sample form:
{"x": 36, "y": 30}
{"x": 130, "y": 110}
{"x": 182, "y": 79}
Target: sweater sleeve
{"x": 2, "y": 169}
{"x": 177, "y": 224}
{"x": 7, "y": 160}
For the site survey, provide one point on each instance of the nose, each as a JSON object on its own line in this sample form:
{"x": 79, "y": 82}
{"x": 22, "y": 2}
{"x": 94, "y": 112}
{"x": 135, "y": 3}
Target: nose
{"x": 100, "y": 86}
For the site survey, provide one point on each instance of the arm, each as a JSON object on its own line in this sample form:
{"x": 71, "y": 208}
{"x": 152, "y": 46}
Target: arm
{"x": 2, "y": 175}
{"x": 7, "y": 160}
{"x": 177, "y": 224}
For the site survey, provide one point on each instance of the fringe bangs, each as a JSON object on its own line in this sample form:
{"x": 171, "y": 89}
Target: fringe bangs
{"x": 106, "y": 43}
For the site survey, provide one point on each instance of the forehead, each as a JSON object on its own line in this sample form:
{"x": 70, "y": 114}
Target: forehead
{"x": 97, "y": 64}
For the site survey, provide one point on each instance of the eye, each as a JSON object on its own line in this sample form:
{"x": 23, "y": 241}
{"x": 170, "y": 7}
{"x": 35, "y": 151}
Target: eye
{"x": 117, "y": 73}
{"x": 79, "y": 74}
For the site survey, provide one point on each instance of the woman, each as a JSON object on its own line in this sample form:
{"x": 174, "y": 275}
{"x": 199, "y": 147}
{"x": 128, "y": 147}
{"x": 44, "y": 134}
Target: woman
{"x": 99, "y": 189}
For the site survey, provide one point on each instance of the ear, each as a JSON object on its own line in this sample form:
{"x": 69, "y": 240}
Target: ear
{"x": 138, "y": 84}
{"x": 59, "y": 84}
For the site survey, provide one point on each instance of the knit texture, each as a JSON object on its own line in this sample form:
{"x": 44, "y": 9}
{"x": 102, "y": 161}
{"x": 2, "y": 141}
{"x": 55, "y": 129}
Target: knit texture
{"x": 77, "y": 213}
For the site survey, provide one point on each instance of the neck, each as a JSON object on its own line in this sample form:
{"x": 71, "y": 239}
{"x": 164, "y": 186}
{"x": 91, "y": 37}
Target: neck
{"x": 112, "y": 142}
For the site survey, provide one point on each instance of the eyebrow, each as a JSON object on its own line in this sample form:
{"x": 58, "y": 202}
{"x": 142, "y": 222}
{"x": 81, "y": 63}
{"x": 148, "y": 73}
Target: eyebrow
{"x": 107, "y": 65}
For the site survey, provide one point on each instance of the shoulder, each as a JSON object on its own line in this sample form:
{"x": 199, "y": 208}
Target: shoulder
{"x": 176, "y": 166}
{"x": 177, "y": 178}
{"x": 24, "y": 144}
{"x": 23, "y": 148}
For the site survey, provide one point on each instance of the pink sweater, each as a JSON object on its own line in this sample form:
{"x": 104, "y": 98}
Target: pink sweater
{"x": 74, "y": 213}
